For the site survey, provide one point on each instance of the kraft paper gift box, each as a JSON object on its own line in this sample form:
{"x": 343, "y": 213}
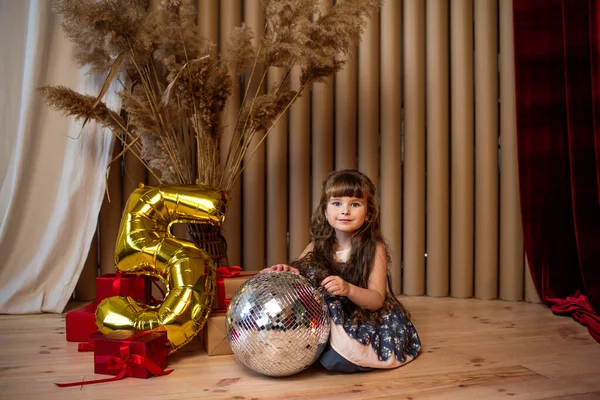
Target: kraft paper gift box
{"x": 81, "y": 323}
{"x": 135, "y": 354}
{"x": 214, "y": 337}
{"x": 229, "y": 280}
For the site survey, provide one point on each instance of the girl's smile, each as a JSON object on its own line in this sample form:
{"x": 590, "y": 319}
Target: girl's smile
{"x": 346, "y": 214}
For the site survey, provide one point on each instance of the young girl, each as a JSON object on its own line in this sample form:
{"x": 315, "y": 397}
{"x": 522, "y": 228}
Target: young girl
{"x": 348, "y": 257}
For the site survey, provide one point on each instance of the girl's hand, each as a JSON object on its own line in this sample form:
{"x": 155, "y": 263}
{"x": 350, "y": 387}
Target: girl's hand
{"x": 336, "y": 286}
{"x": 281, "y": 268}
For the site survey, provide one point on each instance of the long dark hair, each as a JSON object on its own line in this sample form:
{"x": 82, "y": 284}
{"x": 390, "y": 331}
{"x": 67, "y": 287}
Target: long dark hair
{"x": 346, "y": 183}
{"x": 349, "y": 183}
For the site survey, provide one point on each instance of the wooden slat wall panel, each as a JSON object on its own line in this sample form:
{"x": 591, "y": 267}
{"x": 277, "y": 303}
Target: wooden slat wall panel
{"x": 321, "y": 129}
{"x": 253, "y": 185}
{"x": 299, "y": 170}
{"x": 85, "y": 289}
{"x": 208, "y": 21}
{"x": 322, "y": 136}
{"x": 462, "y": 147}
{"x": 345, "y": 114}
{"x": 154, "y": 6}
{"x": 230, "y": 17}
{"x": 391, "y": 135}
{"x": 486, "y": 145}
{"x": 414, "y": 147}
{"x": 420, "y": 118}
{"x": 511, "y": 235}
{"x": 438, "y": 162}
{"x": 368, "y": 101}
{"x": 110, "y": 214}
{"x": 134, "y": 173}
{"x": 277, "y": 199}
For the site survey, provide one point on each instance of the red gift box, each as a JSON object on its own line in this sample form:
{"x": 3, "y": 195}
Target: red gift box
{"x": 137, "y": 286}
{"x": 81, "y": 323}
{"x": 229, "y": 280}
{"x": 125, "y": 353}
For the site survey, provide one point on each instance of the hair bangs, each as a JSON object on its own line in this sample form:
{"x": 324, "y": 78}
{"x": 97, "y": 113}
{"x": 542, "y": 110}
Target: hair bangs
{"x": 346, "y": 186}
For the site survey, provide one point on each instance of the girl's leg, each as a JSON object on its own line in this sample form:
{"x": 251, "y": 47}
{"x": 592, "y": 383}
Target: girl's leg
{"x": 331, "y": 360}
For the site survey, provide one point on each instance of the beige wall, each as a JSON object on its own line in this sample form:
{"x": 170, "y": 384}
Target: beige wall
{"x": 425, "y": 107}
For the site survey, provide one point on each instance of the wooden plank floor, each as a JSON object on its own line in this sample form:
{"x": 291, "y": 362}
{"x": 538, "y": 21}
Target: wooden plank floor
{"x": 472, "y": 349}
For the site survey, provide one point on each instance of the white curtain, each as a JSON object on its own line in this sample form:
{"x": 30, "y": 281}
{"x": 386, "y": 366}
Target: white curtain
{"x": 52, "y": 174}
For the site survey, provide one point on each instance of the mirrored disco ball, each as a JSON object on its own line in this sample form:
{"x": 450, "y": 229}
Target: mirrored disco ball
{"x": 277, "y": 323}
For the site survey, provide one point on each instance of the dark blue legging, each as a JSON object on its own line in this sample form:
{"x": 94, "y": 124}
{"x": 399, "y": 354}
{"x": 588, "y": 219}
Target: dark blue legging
{"x": 331, "y": 360}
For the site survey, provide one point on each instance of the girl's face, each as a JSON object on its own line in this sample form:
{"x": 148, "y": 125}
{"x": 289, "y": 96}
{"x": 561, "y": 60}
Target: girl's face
{"x": 346, "y": 214}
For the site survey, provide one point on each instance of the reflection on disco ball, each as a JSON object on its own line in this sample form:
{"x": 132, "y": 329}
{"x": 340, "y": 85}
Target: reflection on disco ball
{"x": 277, "y": 323}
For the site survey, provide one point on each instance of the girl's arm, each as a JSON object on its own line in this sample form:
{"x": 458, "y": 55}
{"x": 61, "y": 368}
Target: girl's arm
{"x": 287, "y": 268}
{"x": 371, "y": 298}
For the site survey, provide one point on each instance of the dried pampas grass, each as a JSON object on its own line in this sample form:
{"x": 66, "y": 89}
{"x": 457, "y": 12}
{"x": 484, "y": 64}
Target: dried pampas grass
{"x": 175, "y": 90}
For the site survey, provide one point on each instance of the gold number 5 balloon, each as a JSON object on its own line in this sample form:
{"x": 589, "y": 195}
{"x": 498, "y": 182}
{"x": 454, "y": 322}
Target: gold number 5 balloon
{"x": 145, "y": 245}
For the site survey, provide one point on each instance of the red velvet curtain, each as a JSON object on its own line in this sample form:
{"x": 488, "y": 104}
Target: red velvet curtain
{"x": 557, "y": 46}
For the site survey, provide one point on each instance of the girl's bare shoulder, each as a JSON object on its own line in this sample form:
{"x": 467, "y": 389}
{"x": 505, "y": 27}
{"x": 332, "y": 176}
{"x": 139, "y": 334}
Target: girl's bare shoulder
{"x": 381, "y": 253}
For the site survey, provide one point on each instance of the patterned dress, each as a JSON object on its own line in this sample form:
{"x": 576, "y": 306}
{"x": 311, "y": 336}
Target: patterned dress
{"x": 384, "y": 339}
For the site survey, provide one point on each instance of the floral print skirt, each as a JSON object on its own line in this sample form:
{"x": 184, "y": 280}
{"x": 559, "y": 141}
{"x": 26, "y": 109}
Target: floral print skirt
{"x": 388, "y": 331}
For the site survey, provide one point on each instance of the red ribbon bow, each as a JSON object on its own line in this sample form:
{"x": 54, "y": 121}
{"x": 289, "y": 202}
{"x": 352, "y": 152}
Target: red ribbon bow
{"x": 228, "y": 272}
{"x": 225, "y": 272}
{"x": 123, "y": 364}
{"x": 87, "y": 346}
{"x": 116, "y": 284}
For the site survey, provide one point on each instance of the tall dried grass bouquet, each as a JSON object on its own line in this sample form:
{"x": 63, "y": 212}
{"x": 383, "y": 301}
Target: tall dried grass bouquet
{"x": 174, "y": 88}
